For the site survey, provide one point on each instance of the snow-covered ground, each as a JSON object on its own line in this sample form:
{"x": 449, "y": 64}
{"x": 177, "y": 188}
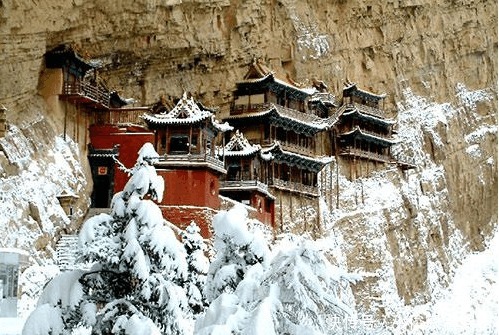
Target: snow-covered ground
{"x": 471, "y": 304}
{"x": 11, "y": 326}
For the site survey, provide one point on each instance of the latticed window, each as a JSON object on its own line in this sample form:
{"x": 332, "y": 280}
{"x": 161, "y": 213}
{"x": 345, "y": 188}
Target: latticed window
{"x": 8, "y": 280}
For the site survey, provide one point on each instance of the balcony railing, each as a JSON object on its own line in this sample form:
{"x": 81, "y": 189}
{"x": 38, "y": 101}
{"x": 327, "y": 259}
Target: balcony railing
{"x": 350, "y": 151}
{"x": 241, "y": 109}
{"x": 295, "y": 187}
{"x": 127, "y": 115}
{"x": 194, "y": 159}
{"x": 239, "y": 184}
{"x": 91, "y": 91}
{"x": 297, "y": 148}
{"x": 367, "y": 109}
{"x": 120, "y": 116}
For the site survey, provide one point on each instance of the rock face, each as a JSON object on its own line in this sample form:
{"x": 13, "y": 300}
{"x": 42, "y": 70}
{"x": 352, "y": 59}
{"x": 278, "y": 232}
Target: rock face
{"x": 436, "y": 60}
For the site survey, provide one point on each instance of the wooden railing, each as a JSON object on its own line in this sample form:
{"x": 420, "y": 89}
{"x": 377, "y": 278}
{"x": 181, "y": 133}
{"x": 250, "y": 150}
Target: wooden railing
{"x": 241, "y": 109}
{"x": 306, "y": 151}
{"x": 119, "y": 116}
{"x": 89, "y": 90}
{"x": 365, "y": 154}
{"x": 243, "y": 183}
{"x": 127, "y": 115}
{"x": 303, "y": 117}
{"x": 367, "y": 109}
{"x": 295, "y": 187}
{"x": 192, "y": 158}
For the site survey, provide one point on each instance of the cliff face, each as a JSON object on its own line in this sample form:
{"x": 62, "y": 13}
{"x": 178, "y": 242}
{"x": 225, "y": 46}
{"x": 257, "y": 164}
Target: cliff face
{"x": 428, "y": 56}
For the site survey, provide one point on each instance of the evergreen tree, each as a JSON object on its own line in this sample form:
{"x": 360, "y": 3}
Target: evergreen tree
{"x": 236, "y": 251}
{"x": 134, "y": 286}
{"x": 197, "y": 267}
{"x": 294, "y": 291}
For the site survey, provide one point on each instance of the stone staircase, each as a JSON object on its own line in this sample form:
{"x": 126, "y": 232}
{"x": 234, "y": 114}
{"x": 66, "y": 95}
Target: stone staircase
{"x": 67, "y": 247}
{"x": 66, "y": 251}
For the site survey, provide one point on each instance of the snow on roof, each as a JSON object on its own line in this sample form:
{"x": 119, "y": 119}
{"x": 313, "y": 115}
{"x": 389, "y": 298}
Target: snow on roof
{"x": 353, "y": 86}
{"x": 306, "y": 90}
{"x": 222, "y": 127}
{"x": 186, "y": 111}
{"x": 368, "y": 116}
{"x": 310, "y": 120}
{"x": 239, "y": 146}
{"x": 276, "y": 150}
{"x": 259, "y": 72}
{"x": 256, "y": 80}
{"x": 370, "y": 135}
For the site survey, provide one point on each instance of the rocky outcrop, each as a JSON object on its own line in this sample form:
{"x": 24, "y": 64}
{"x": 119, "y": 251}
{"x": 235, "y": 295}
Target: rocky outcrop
{"x": 37, "y": 166}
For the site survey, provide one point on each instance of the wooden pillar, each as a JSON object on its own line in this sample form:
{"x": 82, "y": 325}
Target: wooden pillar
{"x": 190, "y": 140}
{"x": 167, "y": 139}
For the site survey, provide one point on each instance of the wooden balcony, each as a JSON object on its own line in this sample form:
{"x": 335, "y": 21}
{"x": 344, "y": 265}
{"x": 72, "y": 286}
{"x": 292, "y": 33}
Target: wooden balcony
{"x": 249, "y": 108}
{"x": 126, "y": 115}
{"x": 354, "y": 152}
{"x": 86, "y": 93}
{"x": 297, "y": 149}
{"x": 239, "y": 185}
{"x": 366, "y": 109}
{"x": 191, "y": 160}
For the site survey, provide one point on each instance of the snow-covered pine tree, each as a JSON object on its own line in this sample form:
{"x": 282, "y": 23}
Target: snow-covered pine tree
{"x": 134, "y": 286}
{"x": 297, "y": 291}
{"x": 304, "y": 292}
{"x": 236, "y": 250}
{"x": 197, "y": 267}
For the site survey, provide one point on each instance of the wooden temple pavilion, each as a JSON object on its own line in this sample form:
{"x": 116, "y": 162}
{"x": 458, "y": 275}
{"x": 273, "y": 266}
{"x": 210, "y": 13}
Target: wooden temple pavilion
{"x": 361, "y": 131}
{"x": 246, "y": 180}
{"x": 274, "y": 114}
{"x": 186, "y": 138}
{"x": 81, "y": 83}
{"x": 290, "y": 123}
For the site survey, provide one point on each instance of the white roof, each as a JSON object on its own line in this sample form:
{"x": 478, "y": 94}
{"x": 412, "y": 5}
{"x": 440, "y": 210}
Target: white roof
{"x": 306, "y": 90}
{"x": 239, "y": 146}
{"x": 186, "y": 111}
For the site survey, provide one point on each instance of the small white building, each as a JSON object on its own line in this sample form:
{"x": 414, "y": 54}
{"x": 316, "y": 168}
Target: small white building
{"x": 12, "y": 263}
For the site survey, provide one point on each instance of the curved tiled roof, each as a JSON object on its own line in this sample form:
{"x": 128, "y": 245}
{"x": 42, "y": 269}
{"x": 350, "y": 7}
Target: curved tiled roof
{"x": 367, "y": 115}
{"x": 239, "y": 146}
{"x": 314, "y": 164}
{"x": 186, "y": 111}
{"x": 357, "y": 132}
{"x": 287, "y": 118}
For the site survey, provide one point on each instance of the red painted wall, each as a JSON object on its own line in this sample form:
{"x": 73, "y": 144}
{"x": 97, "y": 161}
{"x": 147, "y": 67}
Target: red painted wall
{"x": 182, "y": 216}
{"x": 263, "y": 214}
{"x": 129, "y": 138}
{"x": 190, "y": 187}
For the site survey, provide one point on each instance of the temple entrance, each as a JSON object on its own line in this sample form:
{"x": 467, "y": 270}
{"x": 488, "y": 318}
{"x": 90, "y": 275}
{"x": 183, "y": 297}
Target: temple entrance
{"x": 102, "y": 192}
{"x": 102, "y": 166}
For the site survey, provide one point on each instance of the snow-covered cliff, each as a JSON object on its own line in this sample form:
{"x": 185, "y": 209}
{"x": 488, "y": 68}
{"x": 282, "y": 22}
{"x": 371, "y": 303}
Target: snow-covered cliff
{"x": 400, "y": 229}
{"x": 37, "y": 166}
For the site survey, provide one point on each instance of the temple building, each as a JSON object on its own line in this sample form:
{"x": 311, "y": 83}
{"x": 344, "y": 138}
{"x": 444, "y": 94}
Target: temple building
{"x": 246, "y": 178}
{"x": 186, "y": 138}
{"x": 362, "y": 134}
{"x": 277, "y": 115}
